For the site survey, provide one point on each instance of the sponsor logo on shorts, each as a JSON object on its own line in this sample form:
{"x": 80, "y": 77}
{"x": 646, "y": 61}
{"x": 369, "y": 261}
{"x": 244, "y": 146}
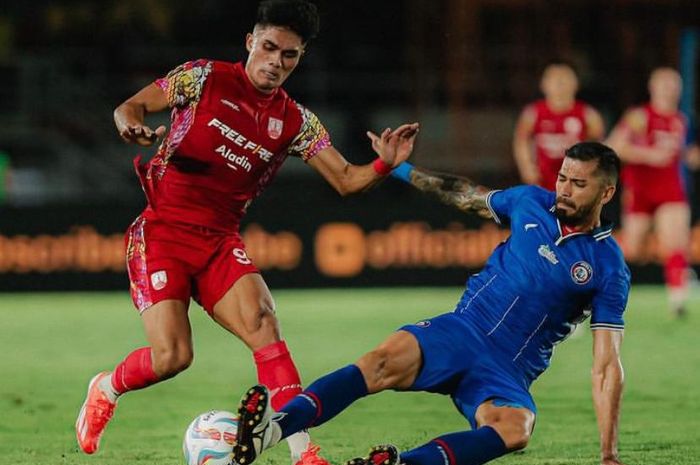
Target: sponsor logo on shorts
{"x": 423, "y": 324}
{"x": 159, "y": 280}
{"x": 581, "y": 272}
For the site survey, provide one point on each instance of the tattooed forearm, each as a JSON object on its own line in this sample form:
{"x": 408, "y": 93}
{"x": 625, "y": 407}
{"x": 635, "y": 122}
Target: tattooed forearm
{"x": 458, "y": 192}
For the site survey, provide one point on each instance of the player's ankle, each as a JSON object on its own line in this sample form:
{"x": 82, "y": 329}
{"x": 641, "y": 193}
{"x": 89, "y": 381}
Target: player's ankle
{"x": 105, "y": 385}
{"x": 298, "y": 443}
{"x": 273, "y": 435}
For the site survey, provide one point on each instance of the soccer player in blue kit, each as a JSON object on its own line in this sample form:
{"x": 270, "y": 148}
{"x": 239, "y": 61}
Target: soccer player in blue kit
{"x": 559, "y": 266}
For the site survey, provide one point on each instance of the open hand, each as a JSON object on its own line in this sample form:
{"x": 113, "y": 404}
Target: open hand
{"x": 141, "y": 135}
{"x": 394, "y": 147}
{"x": 692, "y": 157}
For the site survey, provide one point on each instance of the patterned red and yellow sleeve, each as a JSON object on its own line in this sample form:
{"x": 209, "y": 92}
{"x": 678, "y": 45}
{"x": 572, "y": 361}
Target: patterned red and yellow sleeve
{"x": 312, "y": 137}
{"x": 183, "y": 85}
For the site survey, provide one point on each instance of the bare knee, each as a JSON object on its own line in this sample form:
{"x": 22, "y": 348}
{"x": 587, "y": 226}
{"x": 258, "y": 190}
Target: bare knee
{"x": 374, "y": 367}
{"x": 514, "y": 436}
{"x": 169, "y": 361}
{"x": 513, "y": 425}
{"x": 393, "y": 364}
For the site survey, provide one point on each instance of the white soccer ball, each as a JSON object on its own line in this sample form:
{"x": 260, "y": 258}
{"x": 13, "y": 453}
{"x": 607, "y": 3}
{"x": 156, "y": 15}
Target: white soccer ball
{"x": 209, "y": 439}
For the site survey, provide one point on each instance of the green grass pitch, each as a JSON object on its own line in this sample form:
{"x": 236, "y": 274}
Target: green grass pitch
{"x": 51, "y": 344}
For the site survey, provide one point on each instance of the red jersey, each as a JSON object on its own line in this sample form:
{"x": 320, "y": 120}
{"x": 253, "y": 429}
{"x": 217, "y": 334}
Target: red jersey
{"x": 652, "y": 129}
{"x": 553, "y": 134}
{"x": 226, "y": 142}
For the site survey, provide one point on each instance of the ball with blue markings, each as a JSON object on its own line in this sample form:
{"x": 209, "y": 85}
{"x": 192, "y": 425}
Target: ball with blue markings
{"x": 210, "y": 438}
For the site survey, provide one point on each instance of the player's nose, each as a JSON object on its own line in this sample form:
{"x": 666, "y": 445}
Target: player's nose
{"x": 276, "y": 60}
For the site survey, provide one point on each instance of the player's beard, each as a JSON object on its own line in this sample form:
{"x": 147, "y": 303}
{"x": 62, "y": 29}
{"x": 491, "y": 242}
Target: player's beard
{"x": 580, "y": 216}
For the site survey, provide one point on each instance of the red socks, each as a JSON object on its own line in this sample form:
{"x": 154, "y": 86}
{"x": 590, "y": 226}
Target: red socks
{"x": 276, "y": 370}
{"x": 134, "y": 372}
{"x": 676, "y": 270}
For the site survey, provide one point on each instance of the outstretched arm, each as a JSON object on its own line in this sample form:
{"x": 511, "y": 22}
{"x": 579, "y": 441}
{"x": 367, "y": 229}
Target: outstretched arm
{"x": 459, "y": 192}
{"x": 634, "y": 123}
{"x": 129, "y": 116}
{"x": 607, "y": 377}
{"x": 393, "y": 147}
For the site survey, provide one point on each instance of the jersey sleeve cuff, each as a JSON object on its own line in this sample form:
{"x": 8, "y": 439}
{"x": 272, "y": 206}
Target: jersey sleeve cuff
{"x": 608, "y": 326}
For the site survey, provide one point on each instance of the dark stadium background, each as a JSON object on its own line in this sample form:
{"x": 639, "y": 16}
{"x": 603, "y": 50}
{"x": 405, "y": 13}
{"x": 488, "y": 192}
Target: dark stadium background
{"x": 463, "y": 68}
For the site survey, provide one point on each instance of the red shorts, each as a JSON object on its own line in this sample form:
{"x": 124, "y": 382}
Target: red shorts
{"x": 171, "y": 261}
{"x": 646, "y": 199}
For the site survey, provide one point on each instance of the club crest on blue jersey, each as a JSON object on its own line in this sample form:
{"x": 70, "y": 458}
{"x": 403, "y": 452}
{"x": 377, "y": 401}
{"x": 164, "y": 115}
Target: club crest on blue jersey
{"x": 581, "y": 272}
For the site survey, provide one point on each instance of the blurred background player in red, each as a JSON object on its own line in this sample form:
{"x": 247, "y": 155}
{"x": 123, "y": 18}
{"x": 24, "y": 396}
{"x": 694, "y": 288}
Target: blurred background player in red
{"x": 231, "y": 128}
{"x": 650, "y": 139}
{"x": 547, "y": 127}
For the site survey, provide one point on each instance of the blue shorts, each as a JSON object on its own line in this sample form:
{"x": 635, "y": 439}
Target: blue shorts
{"x": 458, "y": 362}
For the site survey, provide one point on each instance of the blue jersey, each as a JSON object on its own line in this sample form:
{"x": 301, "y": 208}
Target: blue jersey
{"x": 539, "y": 284}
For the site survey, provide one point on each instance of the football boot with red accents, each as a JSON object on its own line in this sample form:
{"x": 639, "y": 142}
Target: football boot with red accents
{"x": 385, "y": 454}
{"x": 256, "y": 431}
{"x": 94, "y": 415}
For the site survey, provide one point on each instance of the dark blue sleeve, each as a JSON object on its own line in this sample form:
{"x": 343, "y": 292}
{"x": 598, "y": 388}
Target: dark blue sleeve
{"x": 501, "y": 204}
{"x": 611, "y": 299}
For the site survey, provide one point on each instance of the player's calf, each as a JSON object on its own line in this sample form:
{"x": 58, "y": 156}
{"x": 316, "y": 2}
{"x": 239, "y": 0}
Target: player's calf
{"x": 385, "y": 454}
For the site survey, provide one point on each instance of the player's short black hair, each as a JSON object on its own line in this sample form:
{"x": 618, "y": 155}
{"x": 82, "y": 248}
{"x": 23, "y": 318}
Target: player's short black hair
{"x": 608, "y": 161}
{"x": 299, "y": 16}
{"x": 560, "y": 62}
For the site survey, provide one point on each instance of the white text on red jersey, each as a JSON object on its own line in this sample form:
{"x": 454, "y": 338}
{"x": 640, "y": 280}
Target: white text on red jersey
{"x": 241, "y": 141}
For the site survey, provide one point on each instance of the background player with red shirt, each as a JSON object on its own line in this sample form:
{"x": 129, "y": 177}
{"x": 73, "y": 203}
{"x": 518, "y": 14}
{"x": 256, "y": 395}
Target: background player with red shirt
{"x": 650, "y": 140}
{"x": 547, "y": 127}
{"x": 231, "y": 128}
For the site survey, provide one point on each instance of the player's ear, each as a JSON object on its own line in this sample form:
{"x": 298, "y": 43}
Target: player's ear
{"x": 608, "y": 193}
{"x": 249, "y": 42}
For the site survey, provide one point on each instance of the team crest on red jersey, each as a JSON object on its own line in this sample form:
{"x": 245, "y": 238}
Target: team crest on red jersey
{"x": 274, "y": 128}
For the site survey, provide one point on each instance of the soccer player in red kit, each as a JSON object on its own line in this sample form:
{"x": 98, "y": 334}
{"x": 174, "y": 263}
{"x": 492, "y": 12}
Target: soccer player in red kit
{"x": 547, "y": 127}
{"x": 651, "y": 141}
{"x": 232, "y": 126}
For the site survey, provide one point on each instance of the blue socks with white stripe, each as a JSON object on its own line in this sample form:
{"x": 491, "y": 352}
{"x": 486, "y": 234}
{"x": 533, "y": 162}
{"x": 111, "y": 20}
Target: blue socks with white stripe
{"x": 328, "y": 396}
{"x": 322, "y": 400}
{"x": 464, "y": 448}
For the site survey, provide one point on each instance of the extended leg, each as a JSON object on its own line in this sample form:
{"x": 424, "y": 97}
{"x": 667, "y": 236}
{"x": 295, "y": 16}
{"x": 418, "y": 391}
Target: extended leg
{"x": 247, "y": 310}
{"x": 170, "y": 351}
